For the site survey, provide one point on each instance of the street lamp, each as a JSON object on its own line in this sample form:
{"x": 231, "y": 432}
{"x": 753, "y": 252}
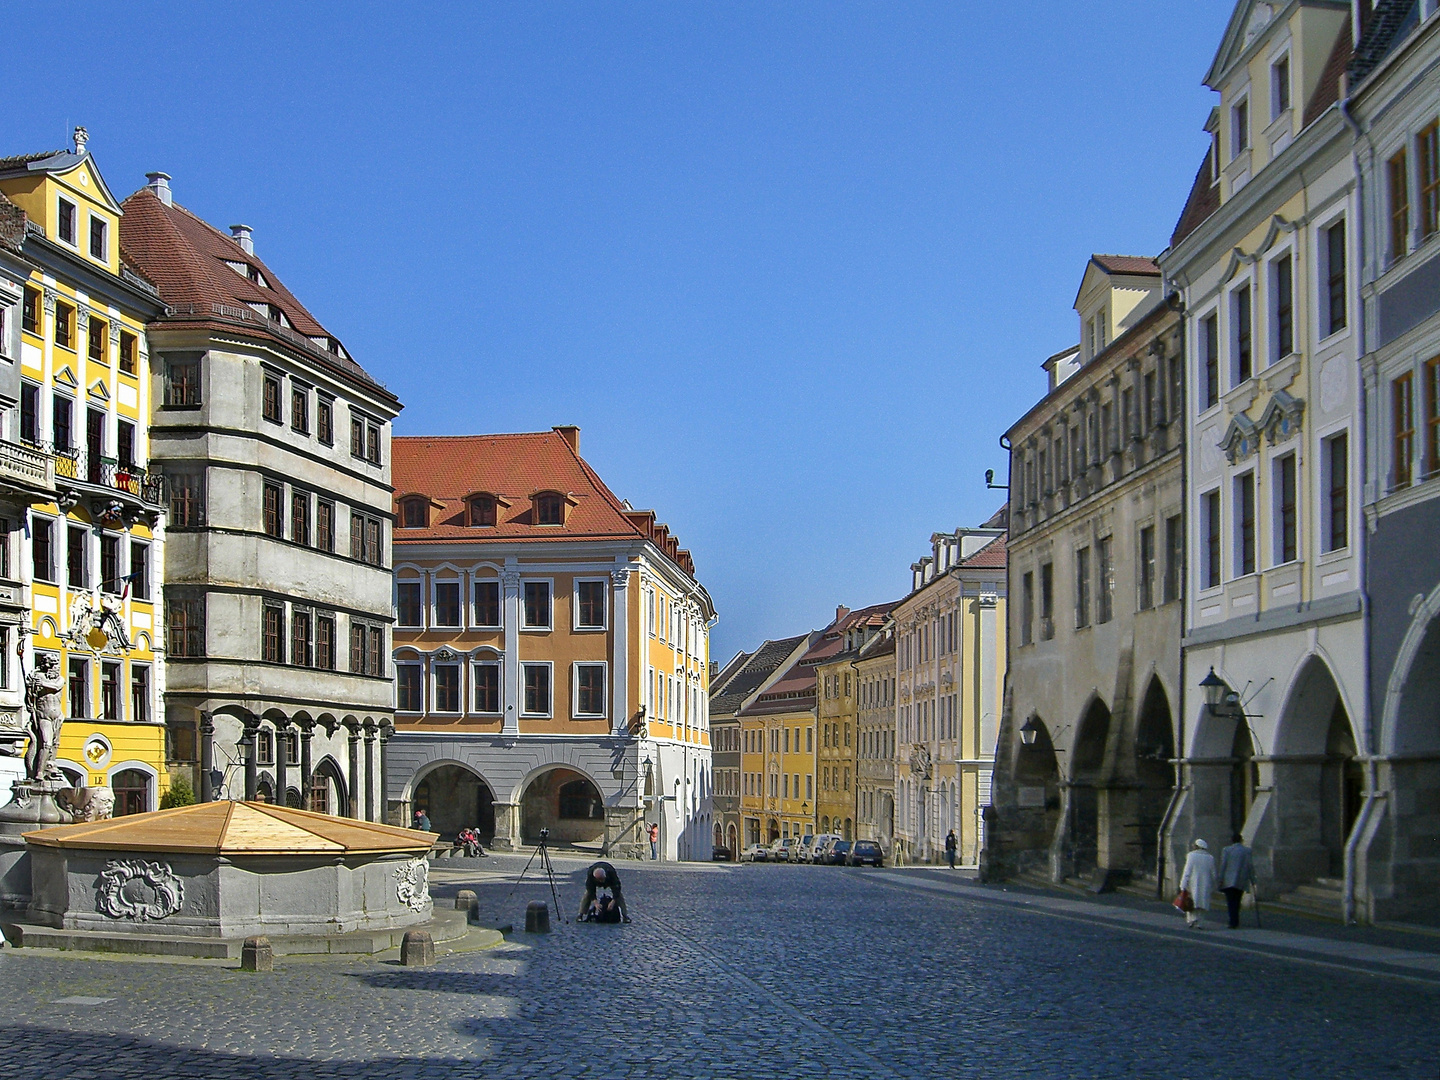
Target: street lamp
{"x": 1219, "y": 698}
{"x": 1030, "y": 732}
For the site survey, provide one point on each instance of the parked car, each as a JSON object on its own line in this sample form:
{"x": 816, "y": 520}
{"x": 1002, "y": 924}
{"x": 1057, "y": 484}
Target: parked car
{"x": 838, "y": 852}
{"x": 804, "y": 850}
{"x": 784, "y": 848}
{"x": 720, "y": 854}
{"x": 755, "y": 853}
{"x": 865, "y": 853}
{"x": 821, "y": 847}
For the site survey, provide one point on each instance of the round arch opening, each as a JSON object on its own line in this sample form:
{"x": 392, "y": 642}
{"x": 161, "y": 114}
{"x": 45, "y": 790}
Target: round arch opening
{"x": 567, "y": 803}
{"x": 455, "y": 798}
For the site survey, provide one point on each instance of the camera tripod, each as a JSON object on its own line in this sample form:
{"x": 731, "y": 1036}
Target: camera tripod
{"x": 542, "y": 851}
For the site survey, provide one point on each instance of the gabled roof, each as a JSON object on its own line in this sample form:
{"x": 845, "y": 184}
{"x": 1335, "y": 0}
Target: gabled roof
{"x": 1247, "y": 21}
{"x": 448, "y": 468}
{"x": 1204, "y": 199}
{"x": 186, "y": 258}
{"x": 58, "y": 162}
{"x": 1390, "y": 23}
{"x": 759, "y": 666}
{"x": 795, "y": 690}
{"x": 991, "y": 557}
{"x": 1127, "y": 264}
{"x": 1327, "y": 90}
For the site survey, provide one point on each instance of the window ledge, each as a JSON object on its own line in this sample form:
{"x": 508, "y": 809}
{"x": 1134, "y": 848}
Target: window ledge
{"x": 1282, "y": 373}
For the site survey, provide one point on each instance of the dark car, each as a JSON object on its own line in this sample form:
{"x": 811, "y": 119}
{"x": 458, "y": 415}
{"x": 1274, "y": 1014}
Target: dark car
{"x": 865, "y": 853}
{"x": 838, "y": 852}
{"x": 720, "y": 854}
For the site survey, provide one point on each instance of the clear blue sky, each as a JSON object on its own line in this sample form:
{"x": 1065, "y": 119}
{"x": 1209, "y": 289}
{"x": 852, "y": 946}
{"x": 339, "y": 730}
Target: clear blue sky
{"x": 791, "y": 267}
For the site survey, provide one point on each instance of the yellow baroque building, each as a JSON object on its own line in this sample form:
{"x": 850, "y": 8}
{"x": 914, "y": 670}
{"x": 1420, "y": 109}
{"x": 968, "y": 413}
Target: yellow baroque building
{"x": 82, "y": 550}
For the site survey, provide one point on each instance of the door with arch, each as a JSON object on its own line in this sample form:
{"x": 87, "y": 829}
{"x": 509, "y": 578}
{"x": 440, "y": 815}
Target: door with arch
{"x": 133, "y": 790}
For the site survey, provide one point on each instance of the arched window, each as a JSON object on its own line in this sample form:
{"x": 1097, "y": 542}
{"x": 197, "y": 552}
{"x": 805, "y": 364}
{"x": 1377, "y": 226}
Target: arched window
{"x": 132, "y": 791}
{"x": 549, "y": 508}
{"x": 482, "y": 510}
{"x": 414, "y": 513}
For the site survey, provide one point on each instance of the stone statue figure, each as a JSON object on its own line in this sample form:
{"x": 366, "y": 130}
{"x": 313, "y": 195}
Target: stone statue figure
{"x": 42, "y": 698}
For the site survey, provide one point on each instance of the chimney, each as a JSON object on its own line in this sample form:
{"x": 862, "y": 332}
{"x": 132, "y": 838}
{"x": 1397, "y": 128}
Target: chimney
{"x": 160, "y": 185}
{"x": 243, "y": 236}
{"x": 841, "y": 611}
{"x": 571, "y": 434}
{"x": 81, "y": 138}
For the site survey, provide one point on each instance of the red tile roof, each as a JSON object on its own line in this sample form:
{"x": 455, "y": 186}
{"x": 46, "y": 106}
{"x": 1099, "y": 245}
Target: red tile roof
{"x": 448, "y": 469}
{"x": 1127, "y": 264}
{"x": 991, "y": 557}
{"x": 1204, "y": 200}
{"x": 795, "y": 690}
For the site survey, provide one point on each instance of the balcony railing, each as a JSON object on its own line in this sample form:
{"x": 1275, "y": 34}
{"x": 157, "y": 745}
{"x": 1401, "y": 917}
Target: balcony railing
{"x": 77, "y": 464}
{"x": 27, "y": 465}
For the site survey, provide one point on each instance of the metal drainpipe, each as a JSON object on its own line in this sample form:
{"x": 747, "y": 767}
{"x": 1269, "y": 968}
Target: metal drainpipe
{"x": 1362, "y": 820}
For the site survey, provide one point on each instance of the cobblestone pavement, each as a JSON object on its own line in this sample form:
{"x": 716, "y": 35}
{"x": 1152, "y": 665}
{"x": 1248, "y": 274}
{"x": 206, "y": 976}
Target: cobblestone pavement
{"x": 746, "y": 972}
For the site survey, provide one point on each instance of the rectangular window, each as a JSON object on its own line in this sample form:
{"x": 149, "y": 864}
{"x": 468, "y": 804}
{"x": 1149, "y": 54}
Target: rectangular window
{"x": 537, "y": 605}
{"x": 358, "y": 647}
{"x": 95, "y": 335}
{"x": 357, "y": 438}
{"x": 1243, "y": 367}
{"x": 1432, "y": 416}
{"x": 301, "y": 638}
{"x": 182, "y": 382}
{"x": 129, "y": 352}
{"x": 29, "y": 413}
{"x": 124, "y": 443}
{"x": 1335, "y": 306}
{"x": 1105, "y": 602}
{"x": 537, "y": 689}
{"x": 372, "y": 542}
{"x": 1210, "y": 520}
{"x": 447, "y": 603}
{"x": 185, "y": 621}
{"x": 590, "y": 605}
{"x": 1082, "y": 587}
{"x": 324, "y": 525}
{"x": 62, "y": 419}
{"x": 487, "y": 688}
{"x": 30, "y": 312}
{"x": 372, "y": 444}
{"x": 407, "y": 603}
{"x": 274, "y": 508}
{"x": 407, "y": 688}
{"x": 1239, "y": 127}
{"x": 1027, "y": 607}
{"x": 64, "y": 325}
{"x": 1174, "y": 557}
{"x": 375, "y": 651}
{"x": 1147, "y": 567}
{"x": 110, "y": 564}
{"x": 187, "y": 497}
{"x": 325, "y": 642}
{"x": 300, "y": 409}
{"x": 75, "y": 570}
{"x": 357, "y": 537}
{"x": 487, "y": 603}
{"x": 325, "y": 421}
{"x": 1399, "y": 169}
{"x": 1283, "y": 282}
{"x": 1427, "y": 149}
{"x": 66, "y": 225}
{"x": 109, "y": 691}
{"x": 1403, "y": 421}
{"x": 139, "y": 570}
{"x": 447, "y": 688}
{"x": 272, "y": 637}
{"x": 139, "y": 693}
{"x": 300, "y": 517}
{"x": 79, "y": 688}
{"x": 1286, "y": 539}
{"x": 271, "y": 406}
{"x": 589, "y": 689}
{"x": 1279, "y": 87}
{"x": 1047, "y": 601}
{"x": 1244, "y": 524}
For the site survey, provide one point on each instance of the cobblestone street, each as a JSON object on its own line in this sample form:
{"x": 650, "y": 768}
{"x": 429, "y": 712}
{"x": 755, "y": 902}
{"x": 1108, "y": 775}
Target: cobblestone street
{"x": 764, "y": 971}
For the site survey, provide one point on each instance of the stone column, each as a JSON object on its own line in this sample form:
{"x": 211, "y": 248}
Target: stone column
{"x": 387, "y": 730}
{"x": 353, "y": 782}
{"x": 282, "y": 747}
{"x": 369, "y": 770}
{"x": 510, "y": 584}
{"x": 507, "y": 827}
{"x": 620, "y": 637}
{"x": 307, "y": 730}
{"x": 247, "y": 743}
{"x": 207, "y": 757}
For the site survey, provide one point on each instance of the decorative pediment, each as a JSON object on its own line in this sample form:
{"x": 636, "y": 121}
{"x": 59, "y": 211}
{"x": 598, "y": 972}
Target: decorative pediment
{"x": 66, "y": 376}
{"x": 1242, "y": 438}
{"x": 98, "y": 391}
{"x": 1238, "y": 258}
{"x": 1281, "y": 418}
{"x": 445, "y": 656}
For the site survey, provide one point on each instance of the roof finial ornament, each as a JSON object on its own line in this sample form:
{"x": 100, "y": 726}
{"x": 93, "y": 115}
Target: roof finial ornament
{"x": 81, "y": 138}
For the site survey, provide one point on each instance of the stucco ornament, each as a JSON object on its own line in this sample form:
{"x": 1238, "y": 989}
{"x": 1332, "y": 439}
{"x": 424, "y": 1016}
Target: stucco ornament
{"x": 139, "y": 890}
{"x": 96, "y": 623}
{"x": 412, "y": 884}
{"x": 87, "y": 803}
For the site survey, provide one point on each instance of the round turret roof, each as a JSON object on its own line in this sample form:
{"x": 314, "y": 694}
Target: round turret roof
{"x": 235, "y": 828}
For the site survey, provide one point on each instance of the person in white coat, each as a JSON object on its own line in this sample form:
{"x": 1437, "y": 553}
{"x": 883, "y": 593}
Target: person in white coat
{"x": 1199, "y": 878}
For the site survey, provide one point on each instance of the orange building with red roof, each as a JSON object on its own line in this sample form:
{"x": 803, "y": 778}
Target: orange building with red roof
{"x": 551, "y": 651}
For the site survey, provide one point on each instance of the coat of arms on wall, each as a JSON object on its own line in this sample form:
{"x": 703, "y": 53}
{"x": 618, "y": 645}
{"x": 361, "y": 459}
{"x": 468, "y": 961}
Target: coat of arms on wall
{"x": 96, "y": 623}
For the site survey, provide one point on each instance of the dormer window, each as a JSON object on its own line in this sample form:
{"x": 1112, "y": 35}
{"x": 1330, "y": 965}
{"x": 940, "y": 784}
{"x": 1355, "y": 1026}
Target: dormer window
{"x": 415, "y": 513}
{"x": 99, "y": 248}
{"x": 549, "y": 508}
{"x": 1239, "y": 127}
{"x": 66, "y": 224}
{"x": 482, "y": 510}
{"x": 1279, "y": 87}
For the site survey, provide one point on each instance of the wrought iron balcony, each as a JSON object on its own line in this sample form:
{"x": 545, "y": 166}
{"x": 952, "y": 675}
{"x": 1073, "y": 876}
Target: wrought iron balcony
{"x": 76, "y": 466}
{"x": 27, "y": 467}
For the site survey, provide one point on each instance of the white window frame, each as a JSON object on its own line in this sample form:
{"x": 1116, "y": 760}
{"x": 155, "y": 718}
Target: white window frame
{"x": 1321, "y": 293}
{"x": 91, "y": 218}
{"x": 549, "y": 666}
{"x": 575, "y": 623}
{"x": 1277, "y": 455}
{"x": 1232, "y": 334}
{"x": 1237, "y": 523}
{"x": 487, "y": 661}
{"x": 1273, "y": 355}
{"x": 1321, "y": 497}
{"x": 74, "y": 206}
{"x": 420, "y": 581}
{"x": 1202, "y": 540}
{"x": 434, "y": 686}
{"x": 409, "y": 662}
{"x": 1236, "y": 146}
{"x": 549, "y": 627}
{"x": 477, "y": 579}
{"x": 448, "y": 578}
{"x": 1281, "y": 57}
{"x": 575, "y": 689}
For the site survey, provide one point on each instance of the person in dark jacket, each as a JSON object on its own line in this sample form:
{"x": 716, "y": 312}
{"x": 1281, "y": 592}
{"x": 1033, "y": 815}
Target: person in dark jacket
{"x": 1237, "y": 873}
{"x": 951, "y": 846}
{"x": 603, "y": 900}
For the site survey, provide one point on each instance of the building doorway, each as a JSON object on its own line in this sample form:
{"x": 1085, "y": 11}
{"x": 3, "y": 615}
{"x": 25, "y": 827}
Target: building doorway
{"x": 132, "y": 789}
{"x": 565, "y": 802}
{"x": 1085, "y": 781}
{"x": 1154, "y": 753}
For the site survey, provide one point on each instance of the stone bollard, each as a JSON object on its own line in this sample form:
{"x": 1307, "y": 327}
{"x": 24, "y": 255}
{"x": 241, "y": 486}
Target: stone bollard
{"x": 537, "y": 917}
{"x": 417, "y": 949}
{"x": 464, "y": 900}
{"x": 256, "y": 955}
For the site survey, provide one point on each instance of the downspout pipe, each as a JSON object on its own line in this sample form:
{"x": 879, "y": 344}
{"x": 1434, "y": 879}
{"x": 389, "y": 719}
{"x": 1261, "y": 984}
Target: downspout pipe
{"x": 1362, "y": 820}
